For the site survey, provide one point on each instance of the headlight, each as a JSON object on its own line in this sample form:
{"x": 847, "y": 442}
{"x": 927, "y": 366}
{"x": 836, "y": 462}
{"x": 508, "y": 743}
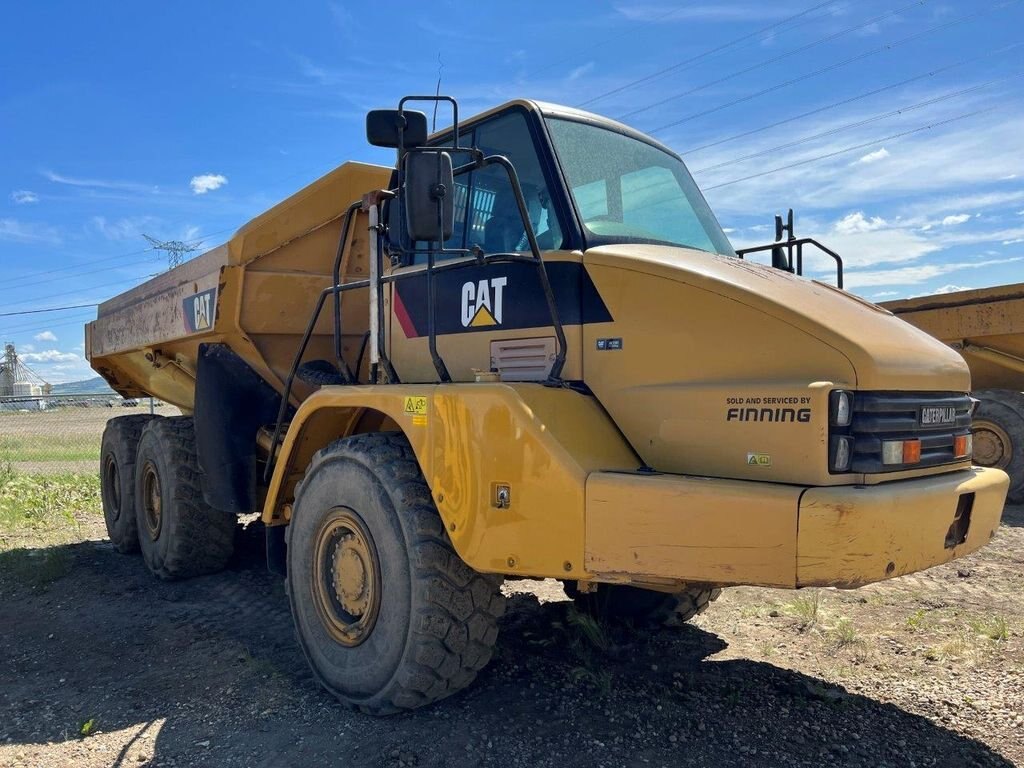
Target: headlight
{"x": 841, "y": 453}
{"x": 840, "y": 407}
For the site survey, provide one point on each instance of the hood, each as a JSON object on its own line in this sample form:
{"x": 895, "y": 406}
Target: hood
{"x": 885, "y": 352}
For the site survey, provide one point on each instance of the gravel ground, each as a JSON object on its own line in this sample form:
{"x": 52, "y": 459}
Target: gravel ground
{"x": 925, "y": 670}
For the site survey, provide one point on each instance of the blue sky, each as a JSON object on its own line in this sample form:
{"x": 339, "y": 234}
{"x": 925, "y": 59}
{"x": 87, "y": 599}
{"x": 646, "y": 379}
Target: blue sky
{"x": 183, "y": 120}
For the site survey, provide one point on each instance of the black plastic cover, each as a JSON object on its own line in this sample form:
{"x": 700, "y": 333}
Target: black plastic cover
{"x": 382, "y": 127}
{"x": 429, "y": 196}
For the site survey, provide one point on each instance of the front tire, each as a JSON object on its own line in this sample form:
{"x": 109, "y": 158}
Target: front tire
{"x": 180, "y": 535}
{"x": 117, "y": 479}
{"x": 387, "y": 614}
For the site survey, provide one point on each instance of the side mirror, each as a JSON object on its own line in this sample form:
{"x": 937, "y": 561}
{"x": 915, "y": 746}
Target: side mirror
{"x": 780, "y": 259}
{"x": 429, "y": 192}
{"x": 384, "y": 125}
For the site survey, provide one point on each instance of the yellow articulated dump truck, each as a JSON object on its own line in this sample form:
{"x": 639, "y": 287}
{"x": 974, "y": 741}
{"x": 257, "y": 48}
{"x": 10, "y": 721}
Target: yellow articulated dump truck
{"x": 527, "y": 350}
{"x": 986, "y": 326}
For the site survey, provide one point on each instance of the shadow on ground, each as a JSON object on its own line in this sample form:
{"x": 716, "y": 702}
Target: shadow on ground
{"x": 1014, "y": 515}
{"x": 206, "y": 672}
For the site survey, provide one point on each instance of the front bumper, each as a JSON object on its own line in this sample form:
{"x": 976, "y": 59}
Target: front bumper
{"x": 644, "y": 528}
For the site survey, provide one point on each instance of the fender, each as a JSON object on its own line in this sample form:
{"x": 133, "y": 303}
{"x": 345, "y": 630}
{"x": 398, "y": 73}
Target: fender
{"x": 472, "y": 440}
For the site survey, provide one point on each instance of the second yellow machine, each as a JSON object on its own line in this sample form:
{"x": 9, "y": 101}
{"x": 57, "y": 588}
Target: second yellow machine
{"x": 527, "y": 350}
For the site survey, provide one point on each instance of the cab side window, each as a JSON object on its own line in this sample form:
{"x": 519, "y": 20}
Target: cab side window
{"x": 486, "y": 214}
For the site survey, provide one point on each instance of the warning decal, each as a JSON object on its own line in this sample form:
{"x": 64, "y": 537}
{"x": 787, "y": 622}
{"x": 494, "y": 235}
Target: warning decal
{"x": 759, "y": 459}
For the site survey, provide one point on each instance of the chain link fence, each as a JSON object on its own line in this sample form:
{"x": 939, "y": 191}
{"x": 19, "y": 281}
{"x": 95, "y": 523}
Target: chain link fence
{"x": 60, "y": 434}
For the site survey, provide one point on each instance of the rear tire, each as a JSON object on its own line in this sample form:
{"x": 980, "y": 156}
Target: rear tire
{"x": 387, "y": 614}
{"x": 180, "y": 535}
{"x": 117, "y": 479}
{"x": 999, "y": 436}
{"x": 646, "y": 607}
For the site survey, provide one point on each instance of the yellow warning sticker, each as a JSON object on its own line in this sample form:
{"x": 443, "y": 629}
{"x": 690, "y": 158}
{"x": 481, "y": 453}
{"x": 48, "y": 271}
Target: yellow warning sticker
{"x": 416, "y": 405}
{"x": 759, "y": 459}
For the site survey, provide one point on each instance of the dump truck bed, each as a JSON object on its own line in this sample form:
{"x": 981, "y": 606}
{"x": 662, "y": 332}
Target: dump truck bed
{"x": 254, "y": 294}
{"x": 986, "y": 325}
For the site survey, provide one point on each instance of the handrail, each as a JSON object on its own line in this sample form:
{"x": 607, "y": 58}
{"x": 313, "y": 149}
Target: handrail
{"x": 798, "y": 244}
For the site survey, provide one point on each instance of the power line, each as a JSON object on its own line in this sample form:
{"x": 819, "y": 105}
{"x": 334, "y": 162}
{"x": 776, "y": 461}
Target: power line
{"x": 849, "y": 100}
{"x": 836, "y": 65}
{"x": 103, "y": 260}
{"x": 693, "y": 59}
{"x": 71, "y": 274}
{"x": 76, "y": 320}
{"x": 85, "y": 288}
{"x": 856, "y": 124}
{"x": 605, "y": 41}
{"x": 855, "y": 147}
{"x": 48, "y": 309}
{"x": 773, "y": 59}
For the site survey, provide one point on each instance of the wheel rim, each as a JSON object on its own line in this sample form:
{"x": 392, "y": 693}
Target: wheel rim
{"x": 151, "y": 502}
{"x": 346, "y": 577}
{"x": 112, "y": 486}
{"x": 992, "y": 445}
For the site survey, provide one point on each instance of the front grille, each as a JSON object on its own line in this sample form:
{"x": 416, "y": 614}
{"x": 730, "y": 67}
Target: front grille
{"x": 879, "y": 416}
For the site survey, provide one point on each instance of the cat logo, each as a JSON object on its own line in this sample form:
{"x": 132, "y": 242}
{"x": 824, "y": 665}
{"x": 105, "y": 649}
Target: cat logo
{"x": 482, "y": 301}
{"x": 198, "y": 311}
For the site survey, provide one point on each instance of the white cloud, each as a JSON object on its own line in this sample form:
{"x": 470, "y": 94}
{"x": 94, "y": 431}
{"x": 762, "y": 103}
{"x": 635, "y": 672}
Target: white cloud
{"x": 1014, "y": 241}
{"x": 28, "y": 232}
{"x": 708, "y": 12}
{"x": 959, "y": 218}
{"x": 51, "y": 356}
{"x": 913, "y": 275}
{"x": 857, "y": 222}
{"x": 130, "y": 186}
{"x": 884, "y": 294}
{"x": 951, "y": 288}
{"x": 24, "y": 197}
{"x": 207, "y": 182}
{"x": 45, "y": 336}
{"x": 872, "y": 157}
{"x": 580, "y": 71}
{"x": 122, "y": 229}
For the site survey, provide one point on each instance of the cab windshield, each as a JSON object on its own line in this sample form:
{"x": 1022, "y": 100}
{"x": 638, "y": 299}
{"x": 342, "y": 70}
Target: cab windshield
{"x": 629, "y": 191}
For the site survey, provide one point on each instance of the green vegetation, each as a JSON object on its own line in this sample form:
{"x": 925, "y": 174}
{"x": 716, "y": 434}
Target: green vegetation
{"x": 38, "y": 514}
{"x": 917, "y": 620}
{"x": 843, "y": 633}
{"x": 992, "y": 627}
{"x": 46, "y": 501}
{"x": 806, "y": 609}
{"x": 49, "y": 448}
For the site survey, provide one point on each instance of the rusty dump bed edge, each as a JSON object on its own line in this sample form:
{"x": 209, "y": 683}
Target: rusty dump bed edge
{"x": 956, "y": 299}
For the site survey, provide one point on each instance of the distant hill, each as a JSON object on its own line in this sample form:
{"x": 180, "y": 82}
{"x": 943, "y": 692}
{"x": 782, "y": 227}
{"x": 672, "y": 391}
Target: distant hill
{"x": 94, "y": 386}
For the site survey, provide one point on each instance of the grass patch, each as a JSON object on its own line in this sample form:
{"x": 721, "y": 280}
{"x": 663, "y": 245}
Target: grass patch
{"x": 38, "y": 514}
{"x": 957, "y": 648}
{"x": 806, "y": 609}
{"x": 46, "y": 501}
{"x": 844, "y": 633}
{"x": 42, "y": 448}
{"x": 992, "y": 627}
{"x": 917, "y": 621}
